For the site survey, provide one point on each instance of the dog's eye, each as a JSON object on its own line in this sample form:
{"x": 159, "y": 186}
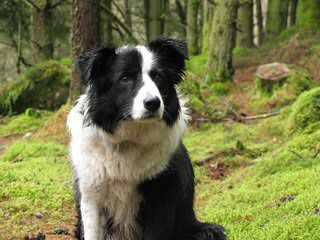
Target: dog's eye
{"x": 125, "y": 80}
{"x": 157, "y": 77}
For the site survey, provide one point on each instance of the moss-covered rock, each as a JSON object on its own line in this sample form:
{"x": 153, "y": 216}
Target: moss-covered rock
{"x": 305, "y": 111}
{"x": 43, "y": 86}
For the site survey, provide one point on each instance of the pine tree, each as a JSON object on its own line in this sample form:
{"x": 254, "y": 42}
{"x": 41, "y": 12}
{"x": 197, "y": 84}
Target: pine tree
{"x": 308, "y": 13}
{"x": 85, "y": 35}
{"x": 222, "y": 40}
{"x": 192, "y": 26}
{"x": 245, "y": 24}
{"x": 277, "y": 18}
{"x": 206, "y": 27}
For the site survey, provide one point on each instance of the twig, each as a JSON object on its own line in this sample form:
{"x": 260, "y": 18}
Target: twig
{"x": 204, "y": 160}
{"x": 32, "y": 4}
{"x": 266, "y": 115}
{"x": 237, "y": 119}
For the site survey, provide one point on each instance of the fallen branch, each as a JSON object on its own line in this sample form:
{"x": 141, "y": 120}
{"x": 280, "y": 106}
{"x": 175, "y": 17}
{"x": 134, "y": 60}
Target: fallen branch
{"x": 237, "y": 119}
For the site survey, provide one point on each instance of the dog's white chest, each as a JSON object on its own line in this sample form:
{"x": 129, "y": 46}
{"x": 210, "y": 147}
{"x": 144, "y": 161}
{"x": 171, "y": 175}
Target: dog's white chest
{"x": 122, "y": 203}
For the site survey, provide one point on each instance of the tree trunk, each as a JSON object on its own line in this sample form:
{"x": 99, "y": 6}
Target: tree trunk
{"x": 147, "y": 18}
{"x": 259, "y": 17}
{"x": 128, "y": 15}
{"x": 107, "y": 25}
{"x": 308, "y": 13}
{"x": 207, "y": 20}
{"x": 222, "y": 41}
{"x": 277, "y": 18}
{"x": 19, "y": 40}
{"x": 181, "y": 11}
{"x": 192, "y": 26}
{"x": 293, "y": 12}
{"x": 245, "y": 24}
{"x": 42, "y": 31}
{"x": 156, "y": 18}
{"x": 85, "y": 35}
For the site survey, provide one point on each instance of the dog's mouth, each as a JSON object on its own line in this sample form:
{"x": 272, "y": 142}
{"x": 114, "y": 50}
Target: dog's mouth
{"x": 147, "y": 117}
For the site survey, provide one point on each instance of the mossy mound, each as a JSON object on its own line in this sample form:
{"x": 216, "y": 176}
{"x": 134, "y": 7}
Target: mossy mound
{"x": 305, "y": 111}
{"x": 30, "y": 121}
{"x": 43, "y": 86}
{"x": 282, "y": 94}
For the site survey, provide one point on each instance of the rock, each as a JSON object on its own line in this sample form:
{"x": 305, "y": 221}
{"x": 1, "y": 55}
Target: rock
{"x": 60, "y": 231}
{"x": 270, "y": 75}
{"x": 39, "y": 215}
{"x": 27, "y": 135}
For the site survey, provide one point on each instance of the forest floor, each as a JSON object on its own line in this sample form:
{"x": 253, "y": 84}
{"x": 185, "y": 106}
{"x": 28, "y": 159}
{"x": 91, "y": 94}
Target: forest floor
{"x": 256, "y": 178}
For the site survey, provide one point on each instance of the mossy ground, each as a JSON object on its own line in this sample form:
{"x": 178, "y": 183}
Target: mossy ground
{"x": 270, "y": 190}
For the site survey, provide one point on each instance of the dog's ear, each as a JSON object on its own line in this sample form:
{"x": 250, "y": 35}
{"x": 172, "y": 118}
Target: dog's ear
{"x": 170, "y": 46}
{"x": 171, "y": 54}
{"x": 94, "y": 64}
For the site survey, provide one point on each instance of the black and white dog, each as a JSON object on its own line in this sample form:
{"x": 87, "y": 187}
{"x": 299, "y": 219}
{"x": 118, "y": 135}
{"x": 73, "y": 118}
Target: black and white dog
{"x": 133, "y": 175}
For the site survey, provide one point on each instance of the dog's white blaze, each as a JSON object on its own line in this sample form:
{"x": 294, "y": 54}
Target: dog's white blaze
{"x": 149, "y": 89}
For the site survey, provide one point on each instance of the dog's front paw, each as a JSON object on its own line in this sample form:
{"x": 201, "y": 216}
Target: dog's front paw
{"x": 210, "y": 232}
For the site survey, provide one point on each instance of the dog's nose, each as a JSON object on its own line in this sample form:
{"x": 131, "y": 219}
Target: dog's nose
{"x": 152, "y": 104}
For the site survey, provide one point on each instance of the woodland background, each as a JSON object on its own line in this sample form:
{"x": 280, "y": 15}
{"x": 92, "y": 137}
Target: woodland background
{"x": 253, "y": 86}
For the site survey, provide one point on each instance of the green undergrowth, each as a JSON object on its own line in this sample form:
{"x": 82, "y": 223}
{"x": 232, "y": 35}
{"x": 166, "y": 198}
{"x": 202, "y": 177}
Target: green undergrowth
{"x": 36, "y": 179}
{"x": 43, "y": 86}
{"x": 272, "y": 193}
{"x": 30, "y": 121}
{"x": 283, "y": 94}
{"x": 205, "y": 97}
{"x": 269, "y": 188}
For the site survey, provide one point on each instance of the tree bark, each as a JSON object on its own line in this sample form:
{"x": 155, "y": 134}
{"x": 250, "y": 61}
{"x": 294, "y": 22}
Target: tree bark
{"x": 192, "y": 26}
{"x": 107, "y": 24}
{"x": 42, "y": 31}
{"x": 277, "y": 18}
{"x": 207, "y": 20}
{"x": 293, "y": 12}
{"x": 156, "y": 18}
{"x": 308, "y": 13}
{"x": 245, "y": 24}
{"x": 147, "y": 18}
{"x": 181, "y": 11}
{"x": 19, "y": 40}
{"x": 85, "y": 35}
{"x": 259, "y": 17}
{"x": 222, "y": 41}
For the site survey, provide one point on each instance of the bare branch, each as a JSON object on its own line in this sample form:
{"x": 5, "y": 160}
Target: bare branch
{"x": 32, "y": 4}
{"x": 119, "y": 22}
{"x": 237, "y": 119}
{"x": 58, "y": 4}
{"x": 123, "y": 15}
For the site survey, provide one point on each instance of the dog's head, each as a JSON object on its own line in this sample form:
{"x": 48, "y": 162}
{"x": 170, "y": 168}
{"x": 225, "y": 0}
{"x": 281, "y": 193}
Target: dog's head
{"x": 133, "y": 83}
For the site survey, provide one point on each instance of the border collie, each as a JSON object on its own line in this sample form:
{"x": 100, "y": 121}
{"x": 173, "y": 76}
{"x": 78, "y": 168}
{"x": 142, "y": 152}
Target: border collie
{"x": 133, "y": 176}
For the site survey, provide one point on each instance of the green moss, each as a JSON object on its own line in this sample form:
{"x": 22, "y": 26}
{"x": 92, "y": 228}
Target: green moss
{"x": 24, "y": 151}
{"x": 282, "y": 94}
{"x": 305, "y": 111}
{"x": 196, "y": 64}
{"x": 44, "y": 86}
{"x": 301, "y": 152}
{"x": 23, "y": 123}
{"x": 308, "y": 14}
{"x": 37, "y": 178}
{"x": 220, "y": 88}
